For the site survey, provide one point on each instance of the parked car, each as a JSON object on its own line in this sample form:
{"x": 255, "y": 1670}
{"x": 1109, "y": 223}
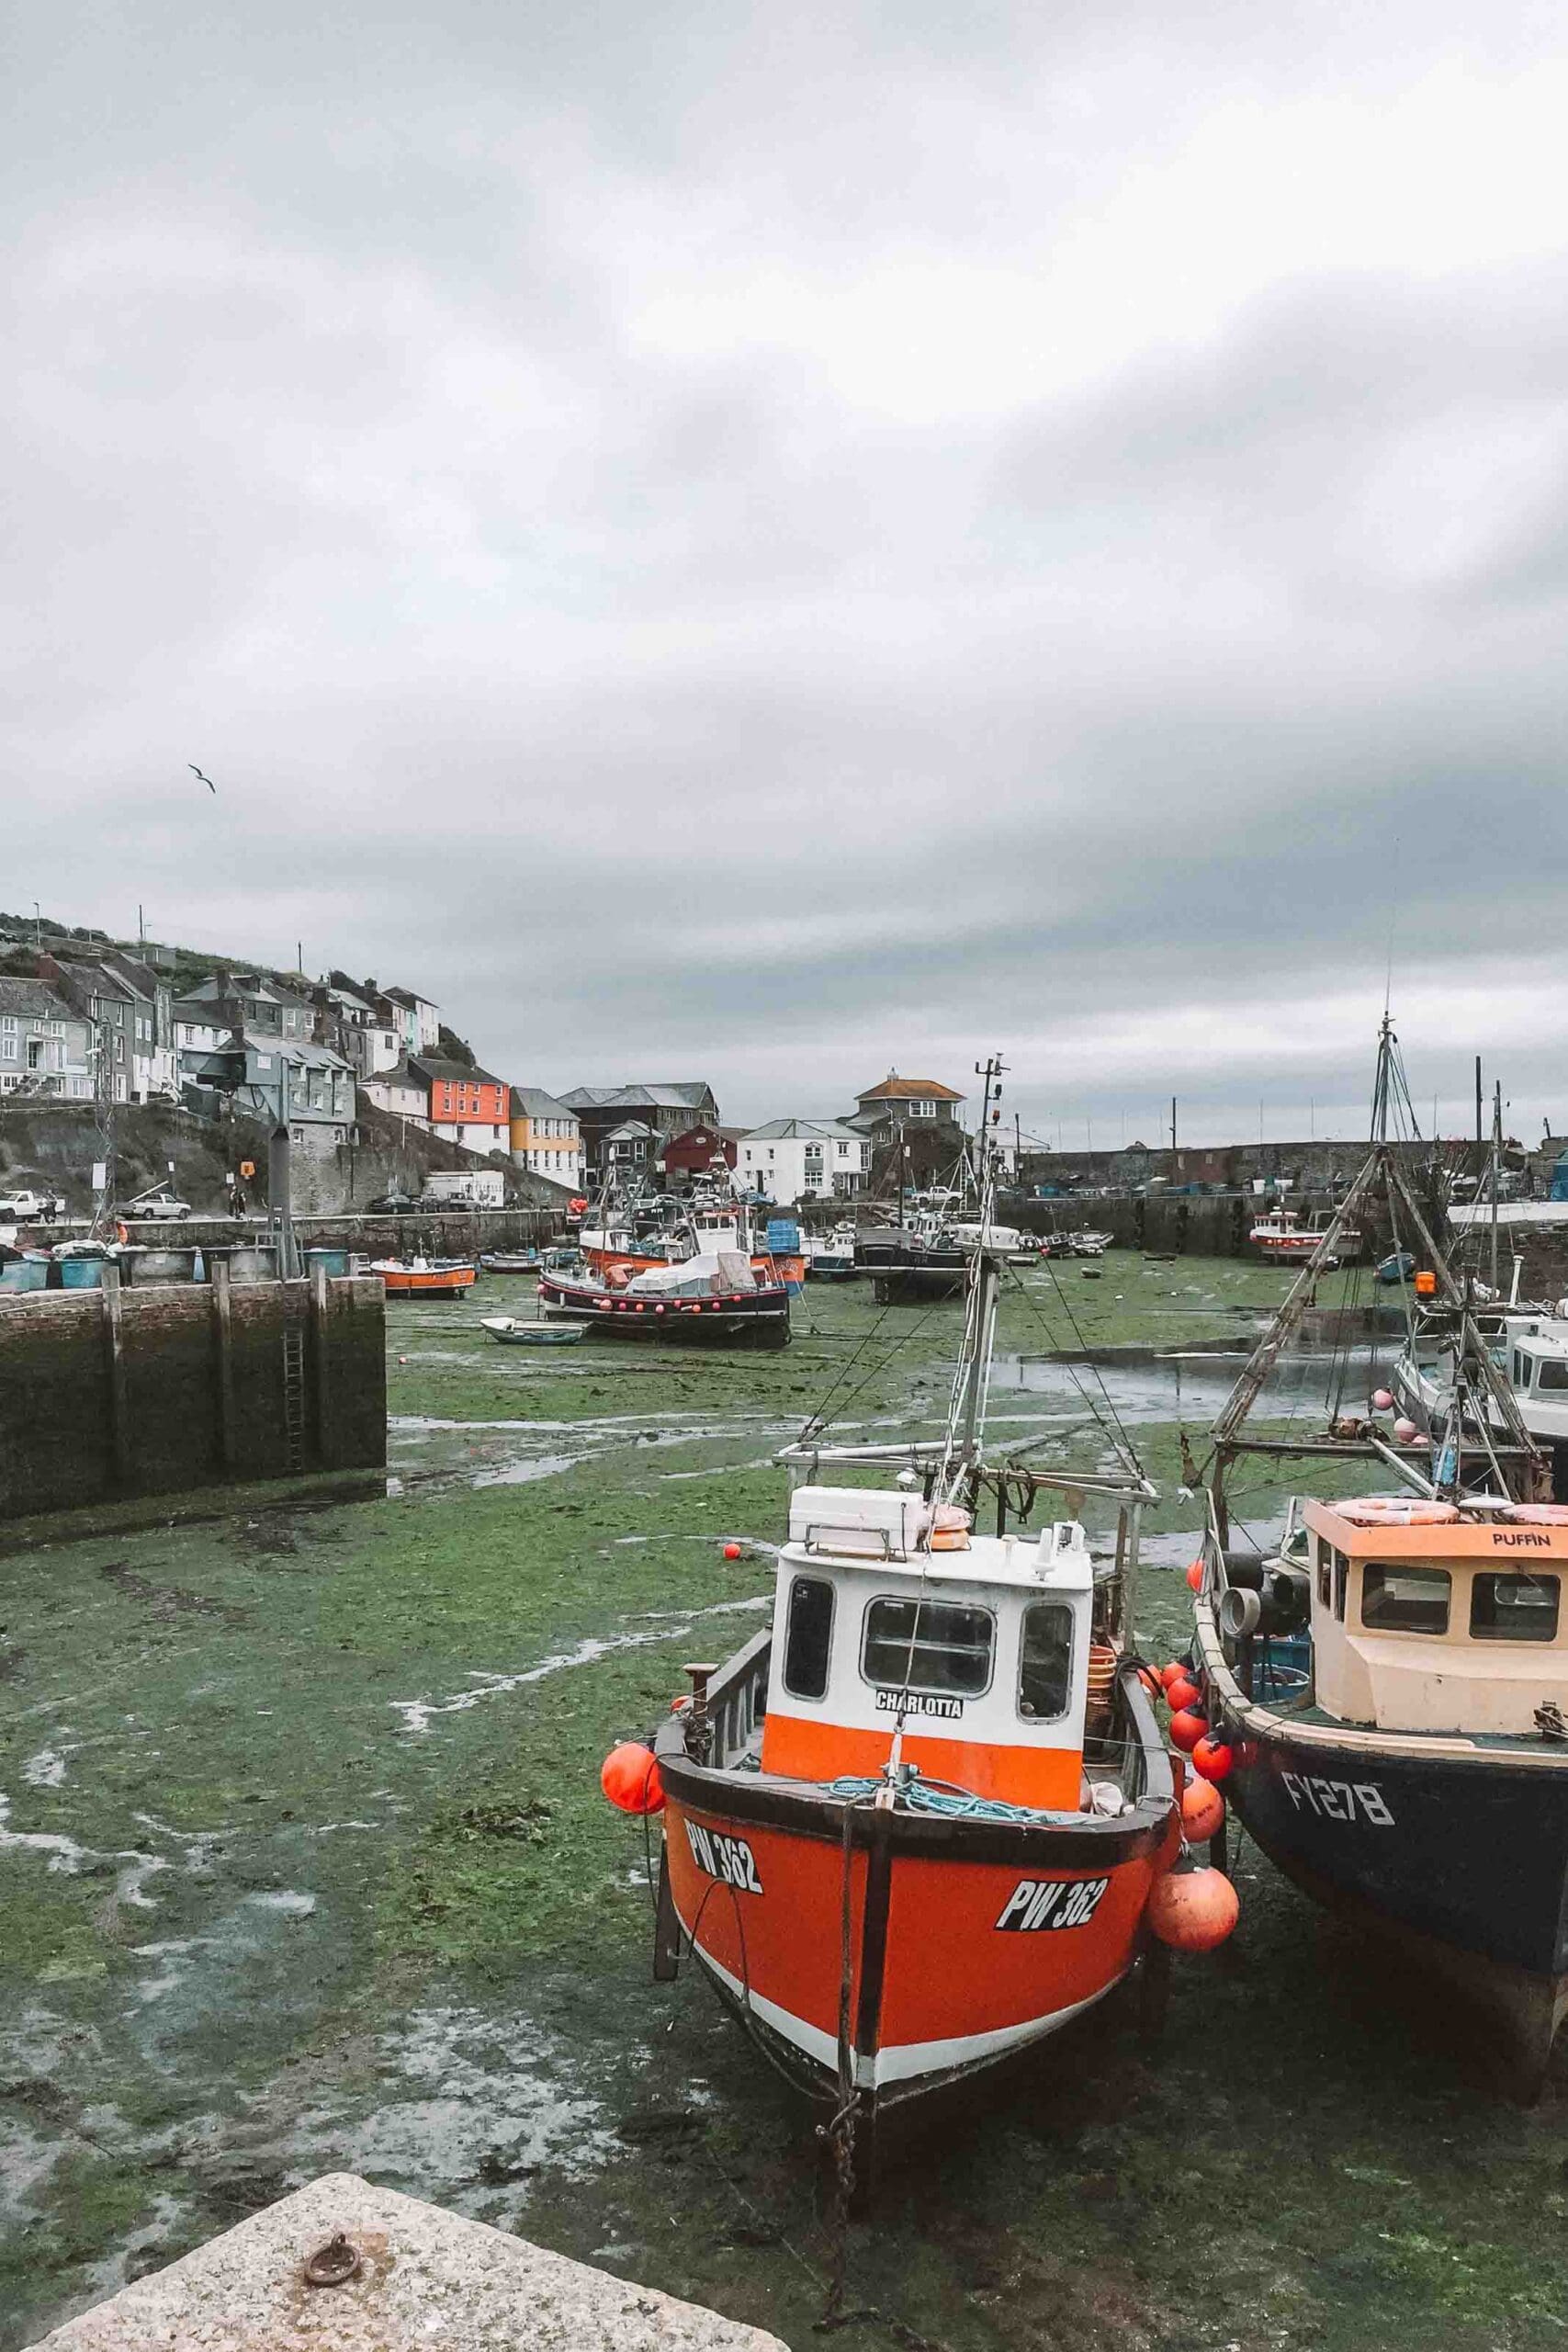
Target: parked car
{"x": 160, "y": 1204}
{"x": 28, "y": 1208}
{"x": 391, "y": 1205}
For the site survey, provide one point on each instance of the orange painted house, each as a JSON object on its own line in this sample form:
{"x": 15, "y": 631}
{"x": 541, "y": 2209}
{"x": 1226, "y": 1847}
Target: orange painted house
{"x": 466, "y": 1106}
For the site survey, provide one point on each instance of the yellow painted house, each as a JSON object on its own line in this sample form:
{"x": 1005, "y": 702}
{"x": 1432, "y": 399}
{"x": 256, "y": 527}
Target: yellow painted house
{"x": 546, "y": 1137}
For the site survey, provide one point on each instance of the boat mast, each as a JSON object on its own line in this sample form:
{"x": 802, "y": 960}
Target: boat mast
{"x": 972, "y": 1379}
{"x": 1496, "y": 1168}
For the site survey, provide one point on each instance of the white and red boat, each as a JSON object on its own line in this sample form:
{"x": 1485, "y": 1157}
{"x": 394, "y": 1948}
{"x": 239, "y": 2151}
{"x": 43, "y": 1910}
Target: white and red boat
{"x": 1289, "y": 1237}
{"x": 719, "y": 1299}
{"x": 913, "y": 1828}
{"x": 620, "y": 1242}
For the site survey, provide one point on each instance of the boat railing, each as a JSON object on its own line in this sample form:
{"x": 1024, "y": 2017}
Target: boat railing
{"x": 738, "y": 1697}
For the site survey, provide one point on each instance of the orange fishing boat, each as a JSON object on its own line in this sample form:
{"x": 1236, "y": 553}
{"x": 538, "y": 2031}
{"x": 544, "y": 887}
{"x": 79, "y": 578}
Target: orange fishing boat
{"x": 425, "y": 1277}
{"x": 915, "y": 1826}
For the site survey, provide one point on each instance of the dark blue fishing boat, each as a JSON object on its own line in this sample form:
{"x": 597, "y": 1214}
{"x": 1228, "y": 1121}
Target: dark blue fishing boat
{"x": 1417, "y": 1781}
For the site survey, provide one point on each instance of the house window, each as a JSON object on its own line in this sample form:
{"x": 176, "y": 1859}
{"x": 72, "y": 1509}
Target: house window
{"x": 843, "y": 1151}
{"x": 809, "y": 1640}
{"x": 1045, "y": 1661}
{"x": 1514, "y": 1609}
{"x": 922, "y": 1109}
{"x": 34, "y": 1053}
{"x": 928, "y": 1645}
{"x": 1404, "y": 1600}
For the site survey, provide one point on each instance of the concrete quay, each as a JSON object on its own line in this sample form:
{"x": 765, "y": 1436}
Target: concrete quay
{"x": 418, "y": 2277}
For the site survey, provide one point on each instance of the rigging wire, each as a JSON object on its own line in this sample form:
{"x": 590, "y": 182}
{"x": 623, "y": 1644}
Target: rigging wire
{"x": 1117, "y": 1431}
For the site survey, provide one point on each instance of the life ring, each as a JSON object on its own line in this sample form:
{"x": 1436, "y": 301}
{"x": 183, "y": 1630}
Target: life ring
{"x": 1395, "y": 1510}
{"x": 1540, "y": 1514}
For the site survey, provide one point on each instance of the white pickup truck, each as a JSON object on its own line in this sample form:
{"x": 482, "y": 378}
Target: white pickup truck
{"x": 30, "y": 1207}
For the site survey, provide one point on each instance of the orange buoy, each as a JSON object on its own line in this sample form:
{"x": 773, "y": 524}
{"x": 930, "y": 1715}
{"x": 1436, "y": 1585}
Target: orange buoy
{"x": 1195, "y": 1577}
{"x": 630, "y": 1777}
{"x": 1193, "y": 1910}
{"x": 1183, "y": 1692}
{"x": 1149, "y": 1679}
{"x": 1212, "y": 1757}
{"x": 1202, "y": 1812}
{"x": 1173, "y": 1672}
{"x": 732, "y": 1551}
{"x": 1186, "y": 1728}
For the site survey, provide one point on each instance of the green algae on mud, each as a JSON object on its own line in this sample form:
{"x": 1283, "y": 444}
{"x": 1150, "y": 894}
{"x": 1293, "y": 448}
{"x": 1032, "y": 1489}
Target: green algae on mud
{"x": 333, "y": 1883}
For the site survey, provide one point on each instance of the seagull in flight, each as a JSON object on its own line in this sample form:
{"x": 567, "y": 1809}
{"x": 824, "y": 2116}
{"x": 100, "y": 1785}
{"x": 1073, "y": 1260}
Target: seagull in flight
{"x": 205, "y": 779}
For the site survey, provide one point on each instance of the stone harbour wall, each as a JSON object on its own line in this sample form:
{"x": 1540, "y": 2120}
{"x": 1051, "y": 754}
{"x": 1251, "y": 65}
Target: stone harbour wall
{"x": 158, "y": 1389}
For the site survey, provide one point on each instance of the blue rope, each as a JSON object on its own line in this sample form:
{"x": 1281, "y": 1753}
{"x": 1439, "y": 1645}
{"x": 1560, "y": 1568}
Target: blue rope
{"x": 951, "y": 1804}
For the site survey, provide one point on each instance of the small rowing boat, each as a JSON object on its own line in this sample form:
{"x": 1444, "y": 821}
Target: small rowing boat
{"x": 513, "y": 1331}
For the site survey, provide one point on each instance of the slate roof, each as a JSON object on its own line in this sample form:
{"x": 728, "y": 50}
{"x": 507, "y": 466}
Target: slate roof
{"x": 664, "y": 1095}
{"x": 436, "y": 1068}
{"x": 802, "y": 1130}
{"x": 894, "y": 1089}
{"x": 532, "y": 1103}
{"x": 35, "y": 1000}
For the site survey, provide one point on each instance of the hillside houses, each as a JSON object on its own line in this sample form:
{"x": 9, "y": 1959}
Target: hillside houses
{"x": 46, "y": 1047}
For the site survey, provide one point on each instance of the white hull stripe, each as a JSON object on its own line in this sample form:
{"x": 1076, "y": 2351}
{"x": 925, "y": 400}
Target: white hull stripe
{"x": 905, "y": 2061}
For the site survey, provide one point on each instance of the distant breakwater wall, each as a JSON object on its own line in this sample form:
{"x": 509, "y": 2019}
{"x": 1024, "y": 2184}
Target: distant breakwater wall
{"x": 106, "y": 1395}
{"x": 1187, "y": 1224}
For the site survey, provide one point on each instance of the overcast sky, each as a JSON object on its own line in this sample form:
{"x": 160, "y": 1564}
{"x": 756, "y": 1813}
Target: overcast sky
{"x": 760, "y": 543}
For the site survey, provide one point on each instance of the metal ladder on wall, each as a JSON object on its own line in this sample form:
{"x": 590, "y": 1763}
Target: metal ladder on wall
{"x": 294, "y": 1393}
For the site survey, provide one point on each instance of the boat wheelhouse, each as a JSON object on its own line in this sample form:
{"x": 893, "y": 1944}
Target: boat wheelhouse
{"x": 1528, "y": 1348}
{"x": 1416, "y": 1777}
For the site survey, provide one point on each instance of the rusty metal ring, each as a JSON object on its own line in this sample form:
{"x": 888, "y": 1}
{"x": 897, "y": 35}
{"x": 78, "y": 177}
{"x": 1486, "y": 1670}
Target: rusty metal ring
{"x": 332, "y": 2265}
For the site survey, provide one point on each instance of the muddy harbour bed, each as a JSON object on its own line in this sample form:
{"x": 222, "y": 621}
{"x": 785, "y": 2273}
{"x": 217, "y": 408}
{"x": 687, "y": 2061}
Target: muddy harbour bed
{"x": 304, "y": 1867}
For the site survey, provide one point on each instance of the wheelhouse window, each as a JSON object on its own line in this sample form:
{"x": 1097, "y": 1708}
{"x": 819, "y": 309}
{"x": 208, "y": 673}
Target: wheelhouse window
{"x": 1341, "y": 1583}
{"x": 1551, "y": 1372}
{"x": 808, "y": 1640}
{"x": 1397, "y": 1600}
{"x": 1514, "y": 1609}
{"x": 928, "y": 1645}
{"x": 1324, "y": 1573}
{"x": 1045, "y": 1661}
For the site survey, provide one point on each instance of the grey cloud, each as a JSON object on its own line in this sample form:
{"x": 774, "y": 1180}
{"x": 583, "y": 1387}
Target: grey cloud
{"x": 497, "y": 446}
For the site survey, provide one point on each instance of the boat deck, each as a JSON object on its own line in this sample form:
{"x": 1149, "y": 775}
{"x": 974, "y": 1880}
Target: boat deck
{"x": 1297, "y": 1710}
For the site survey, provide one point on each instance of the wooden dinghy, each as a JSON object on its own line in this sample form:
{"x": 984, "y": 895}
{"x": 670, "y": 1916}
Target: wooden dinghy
{"x": 513, "y": 1331}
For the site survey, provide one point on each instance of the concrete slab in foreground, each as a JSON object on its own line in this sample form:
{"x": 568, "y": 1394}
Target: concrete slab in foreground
{"x": 425, "y": 2279}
